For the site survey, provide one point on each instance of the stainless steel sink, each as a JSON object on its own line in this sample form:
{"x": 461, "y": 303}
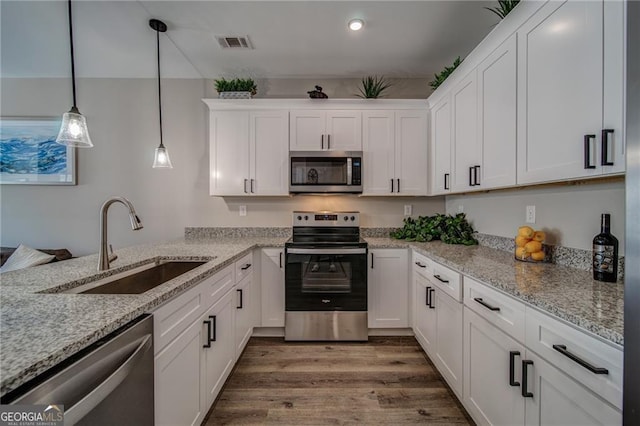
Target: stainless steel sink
{"x": 138, "y": 280}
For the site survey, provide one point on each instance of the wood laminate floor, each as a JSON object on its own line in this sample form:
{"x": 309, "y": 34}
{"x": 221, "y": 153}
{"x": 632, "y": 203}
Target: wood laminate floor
{"x": 386, "y": 381}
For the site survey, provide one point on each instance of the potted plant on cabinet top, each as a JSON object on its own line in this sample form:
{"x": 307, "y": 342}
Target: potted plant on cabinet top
{"x": 238, "y": 88}
{"x": 372, "y": 87}
{"x": 442, "y": 76}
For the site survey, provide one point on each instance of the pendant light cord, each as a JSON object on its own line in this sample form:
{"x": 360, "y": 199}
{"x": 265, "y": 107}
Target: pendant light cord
{"x": 73, "y": 68}
{"x": 159, "y": 87}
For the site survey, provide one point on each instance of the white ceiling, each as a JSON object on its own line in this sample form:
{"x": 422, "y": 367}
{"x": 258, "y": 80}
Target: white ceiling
{"x": 292, "y": 39}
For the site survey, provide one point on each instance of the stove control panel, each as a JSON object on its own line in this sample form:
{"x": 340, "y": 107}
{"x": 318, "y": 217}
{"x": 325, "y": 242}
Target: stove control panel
{"x": 328, "y": 219}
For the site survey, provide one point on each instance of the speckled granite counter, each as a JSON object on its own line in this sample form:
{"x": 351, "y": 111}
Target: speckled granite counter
{"x": 568, "y": 293}
{"x": 39, "y": 330}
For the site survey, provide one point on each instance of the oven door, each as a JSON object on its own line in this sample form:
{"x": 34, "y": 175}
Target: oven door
{"x": 326, "y": 279}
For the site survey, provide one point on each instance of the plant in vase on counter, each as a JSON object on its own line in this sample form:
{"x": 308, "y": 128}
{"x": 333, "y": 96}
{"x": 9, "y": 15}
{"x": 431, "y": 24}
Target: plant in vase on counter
{"x": 450, "y": 229}
{"x": 529, "y": 244}
{"x": 238, "y": 88}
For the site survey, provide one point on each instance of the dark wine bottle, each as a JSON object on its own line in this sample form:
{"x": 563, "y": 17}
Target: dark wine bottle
{"x": 605, "y": 253}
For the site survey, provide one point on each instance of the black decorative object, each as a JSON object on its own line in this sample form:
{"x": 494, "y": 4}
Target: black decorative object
{"x": 317, "y": 94}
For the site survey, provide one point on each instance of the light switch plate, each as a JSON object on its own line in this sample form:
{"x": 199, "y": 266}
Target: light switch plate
{"x": 243, "y": 210}
{"x": 460, "y": 208}
{"x": 530, "y": 216}
{"x": 408, "y": 209}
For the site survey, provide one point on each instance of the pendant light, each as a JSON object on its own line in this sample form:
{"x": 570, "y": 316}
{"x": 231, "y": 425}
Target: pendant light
{"x": 73, "y": 131}
{"x": 161, "y": 159}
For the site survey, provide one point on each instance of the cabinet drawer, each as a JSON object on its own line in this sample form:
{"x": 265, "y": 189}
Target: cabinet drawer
{"x": 446, "y": 280}
{"x": 422, "y": 265}
{"x": 244, "y": 267}
{"x": 588, "y": 360}
{"x": 172, "y": 318}
{"x": 213, "y": 288}
{"x": 499, "y": 309}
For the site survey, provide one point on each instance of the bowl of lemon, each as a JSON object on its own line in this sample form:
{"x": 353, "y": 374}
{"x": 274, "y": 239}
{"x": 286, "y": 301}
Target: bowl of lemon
{"x": 529, "y": 245}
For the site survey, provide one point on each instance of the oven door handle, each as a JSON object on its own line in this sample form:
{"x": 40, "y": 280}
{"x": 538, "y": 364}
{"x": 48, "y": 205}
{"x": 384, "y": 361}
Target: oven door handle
{"x": 327, "y": 251}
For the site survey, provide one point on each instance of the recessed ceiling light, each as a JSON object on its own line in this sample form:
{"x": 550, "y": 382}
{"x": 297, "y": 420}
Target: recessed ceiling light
{"x": 356, "y": 24}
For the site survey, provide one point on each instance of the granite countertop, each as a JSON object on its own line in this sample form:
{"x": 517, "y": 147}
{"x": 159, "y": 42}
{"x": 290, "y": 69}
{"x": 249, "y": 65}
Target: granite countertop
{"x": 570, "y": 294}
{"x": 39, "y": 329}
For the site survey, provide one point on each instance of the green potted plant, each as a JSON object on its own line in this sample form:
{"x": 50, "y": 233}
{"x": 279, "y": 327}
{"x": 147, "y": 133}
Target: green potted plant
{"x": 372, "y": 87}
{"x": 442, "y": 76}
{"x": 238, "y": 88}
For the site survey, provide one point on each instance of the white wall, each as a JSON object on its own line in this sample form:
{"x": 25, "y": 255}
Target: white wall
{"x": 570, "y": 214}
{"x": 123, "y": 123}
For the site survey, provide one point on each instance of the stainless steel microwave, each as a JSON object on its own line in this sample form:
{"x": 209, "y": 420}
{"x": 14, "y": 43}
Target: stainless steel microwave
{"x": 325, "y": 172}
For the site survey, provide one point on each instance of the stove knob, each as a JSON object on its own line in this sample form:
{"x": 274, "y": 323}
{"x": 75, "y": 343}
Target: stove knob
{"x": 306, "y": 218}
{"x": 353, "y": 218}
{"x": 346, "y": 218}
{"x": 299, "y": 217}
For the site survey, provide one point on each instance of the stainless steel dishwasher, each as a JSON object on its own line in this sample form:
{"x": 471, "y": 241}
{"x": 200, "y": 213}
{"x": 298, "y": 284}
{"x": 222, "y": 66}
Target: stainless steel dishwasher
{"x": 108, "y": 383}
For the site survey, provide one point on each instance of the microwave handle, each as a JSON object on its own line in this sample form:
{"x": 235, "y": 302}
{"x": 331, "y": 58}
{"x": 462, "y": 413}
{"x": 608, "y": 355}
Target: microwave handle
{"x": 349, "y": 170}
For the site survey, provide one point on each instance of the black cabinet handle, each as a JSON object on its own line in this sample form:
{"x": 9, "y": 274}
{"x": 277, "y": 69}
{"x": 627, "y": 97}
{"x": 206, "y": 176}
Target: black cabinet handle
{"x": 321, "y": 141}
{"x": 421, "y": 265}
{"x": 485, "y": 304}
{"x": 328, "y": 141}
{"x": 525, "y": 392}
{"x": 439, "y": 278}
{"x": 213, "y": 321}
{"x": 246, "y": 266}
{"x": 512, "y": 367}
{"x": 280, "y": 259}
{"x": 604, "y": 160}
{"x": 431, "y": 291}
{"x": 587, "y": 151}
{"x": 471, "y": 169}
{"x": 240, "y": 294}
{"x": 244, "y": 187}
{"x": 476, "y": 175}
{"x": 595, "y": 370}
{"x": 427, "y": 293}
{"x": 446, "y": 181}
{"x": 371, "y": 260}
{"x": 391, "y": 185}
{"x": 251, "y": 185}
{"x": 209, "y": 326}
{"x": 398, "y": 190}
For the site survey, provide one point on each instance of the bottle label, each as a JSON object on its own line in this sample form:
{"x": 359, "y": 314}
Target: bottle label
{"x": 603, "y": 258}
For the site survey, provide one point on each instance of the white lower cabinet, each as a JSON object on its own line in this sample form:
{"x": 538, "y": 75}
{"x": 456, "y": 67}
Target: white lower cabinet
{"x": 388, "y": 288}
{"x": 424, "y": 320}
{"x": 245, "y": 307}
{"x": 448, "y": 355}
{"x": 272, "y": 286}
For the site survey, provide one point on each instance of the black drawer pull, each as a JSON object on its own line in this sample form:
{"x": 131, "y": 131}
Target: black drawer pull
{"x": 476, "y": 175}
{"x": 525, "y": 392}
{"x": 446, "y": 181}
{"x": 439, "y": 278}
{"x": 421, "y": 265}
{"x": 587, "y": 151}
{"x": 372, "y": 253}
{"x": 280, "y": 259}
{"x": 427, "y": 293}
{"x": 431, "y": 291}
{"x": 595, "y": 370}
{"x": 512, "y": 367}
{"x": 398, "y": 185}
{"x": 486, "y": 305}
{"x": 240, "y": 294}
{"x": 604, "y": 160}
{"x": 471, "y": 169}
{"x": 246, "y": 266}
{"x": 213, "y": 321}
{"x": 391, "y": 185}
{"x": 208, "y": 344}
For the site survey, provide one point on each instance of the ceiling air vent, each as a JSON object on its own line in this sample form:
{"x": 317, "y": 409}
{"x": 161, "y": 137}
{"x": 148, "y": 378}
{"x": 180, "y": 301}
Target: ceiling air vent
{"x": 233, "y": 42}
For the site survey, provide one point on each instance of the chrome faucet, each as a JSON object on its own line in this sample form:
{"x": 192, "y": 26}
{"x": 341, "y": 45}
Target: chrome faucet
{"x": 105, "y": 258}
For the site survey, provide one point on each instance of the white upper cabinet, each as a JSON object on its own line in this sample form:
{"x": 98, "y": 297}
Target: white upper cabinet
{"x": 497, "y": 117}
{"x": 395, "y": 152}
{"x": 317, "y": 130}
{"x": 440, "y": 147}
{"x": 464, "y": 102}
{"x": 249, "y": 152}
{"x": 570, "y": 83}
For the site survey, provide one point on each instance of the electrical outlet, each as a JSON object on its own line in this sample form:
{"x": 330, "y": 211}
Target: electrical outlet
{"x": 243, "y": 210}
{"x": 460, "y": 208}
{"x": 530, "y": 216}
{"x": 408, "y": 208}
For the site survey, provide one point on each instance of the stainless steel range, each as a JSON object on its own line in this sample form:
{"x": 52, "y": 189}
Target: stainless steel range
{"x": 326, "y": 278}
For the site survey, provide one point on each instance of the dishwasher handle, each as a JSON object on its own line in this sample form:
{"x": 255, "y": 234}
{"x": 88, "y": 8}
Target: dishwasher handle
{"x": 95, "y": 397}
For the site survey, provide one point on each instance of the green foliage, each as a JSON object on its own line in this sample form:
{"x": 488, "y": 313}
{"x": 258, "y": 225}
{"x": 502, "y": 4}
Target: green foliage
{"x": 450, "y": 229}
{"x": 236, "y": 85}
{"x": 504, "y": 7}
{"x": 372, "y": 87}
{"x": 440, "y": 78}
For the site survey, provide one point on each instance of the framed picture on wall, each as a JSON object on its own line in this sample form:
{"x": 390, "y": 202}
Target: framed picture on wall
{"x": 29, "y": 154}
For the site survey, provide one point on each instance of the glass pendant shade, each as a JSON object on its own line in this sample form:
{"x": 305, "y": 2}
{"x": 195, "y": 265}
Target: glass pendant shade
{"x": 161, "y": 159}
{"x": 73, "y": 131}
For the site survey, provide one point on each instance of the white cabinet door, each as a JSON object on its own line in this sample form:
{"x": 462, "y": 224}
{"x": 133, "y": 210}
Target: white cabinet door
{"x": 411, "y": 152}
{"x": 388, "y": 288}
{"x": 448, "y": 356}
{"x": 272, "y": 281}
{"x": 344, "y": 130}
{"x": 560, "y": 91}
{"x": 440, "y": 158}
{"x": 488, "y": 394}
{"x": 497, "y": 116}
{"x": 307, "y": 130}
{"x": 558, "y": 400}
{"x": 269, "y": 152}
{"x": 229, "y": 152}
{"x": 178, "y": 381}
{"x": 378, "y": 145}
{"x": 464, "y": 103}
{"x": 245, "y": 302}
{"x": 218, "y": 358}
{"x": 424, "y": 325}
